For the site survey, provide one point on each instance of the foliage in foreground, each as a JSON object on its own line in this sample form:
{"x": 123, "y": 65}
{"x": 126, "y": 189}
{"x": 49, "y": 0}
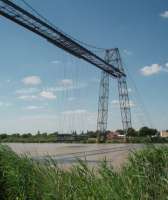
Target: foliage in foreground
{"x": 144, "y": 177}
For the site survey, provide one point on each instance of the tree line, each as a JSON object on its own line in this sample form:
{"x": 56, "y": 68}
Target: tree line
{"x": 73, "y": 136}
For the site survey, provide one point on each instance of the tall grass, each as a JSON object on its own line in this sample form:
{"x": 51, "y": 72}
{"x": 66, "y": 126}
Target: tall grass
{"x": 144, "y": 177}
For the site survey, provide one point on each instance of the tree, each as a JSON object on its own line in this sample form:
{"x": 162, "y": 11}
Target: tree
{"x": 3, "y": 136}
{"x": 38, "y": 132}
{"x": 131, "y": 132}
{"x": 91, "y": 134}
{"x": 17, "y": 135}
{"x": 145, "y": 131}
{"x": 74, "y": 133}
{"x": 27, "y": 135}
{"x": 55, "y": 134}
{"x": 44, "y": 134}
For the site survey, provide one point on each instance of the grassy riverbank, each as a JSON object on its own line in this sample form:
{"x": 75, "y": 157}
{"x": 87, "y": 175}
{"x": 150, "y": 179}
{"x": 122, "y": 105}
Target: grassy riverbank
{"x": 144, "y": 177}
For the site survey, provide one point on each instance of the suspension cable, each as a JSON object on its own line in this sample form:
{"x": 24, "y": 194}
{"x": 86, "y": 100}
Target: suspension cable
{"x": 139, "y": 97}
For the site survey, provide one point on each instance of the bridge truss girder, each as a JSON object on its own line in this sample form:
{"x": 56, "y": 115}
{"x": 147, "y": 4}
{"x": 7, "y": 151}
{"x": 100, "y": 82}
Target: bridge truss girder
{"x": 15, "y": 13}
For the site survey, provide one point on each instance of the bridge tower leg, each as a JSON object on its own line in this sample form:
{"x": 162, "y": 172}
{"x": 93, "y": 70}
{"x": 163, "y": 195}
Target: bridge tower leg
{"x": 103, "y": 102}
{"x": 123, "y": 93}
{"x": 112, "y": 56}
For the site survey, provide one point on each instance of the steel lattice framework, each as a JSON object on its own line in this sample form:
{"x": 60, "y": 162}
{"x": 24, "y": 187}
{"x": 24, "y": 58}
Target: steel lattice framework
{"x": 113, "y": 57}
{"x": 103, "y": 100}
{"x": 20, "y": 16}
{"x": 111, "y": 65}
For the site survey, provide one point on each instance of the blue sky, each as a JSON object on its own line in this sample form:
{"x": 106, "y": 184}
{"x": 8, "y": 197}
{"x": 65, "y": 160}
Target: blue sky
{"x": 44, "y": 88}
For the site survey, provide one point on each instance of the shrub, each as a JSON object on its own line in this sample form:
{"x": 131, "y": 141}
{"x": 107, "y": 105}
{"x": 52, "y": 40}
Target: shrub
{"x": 143, "y": 177}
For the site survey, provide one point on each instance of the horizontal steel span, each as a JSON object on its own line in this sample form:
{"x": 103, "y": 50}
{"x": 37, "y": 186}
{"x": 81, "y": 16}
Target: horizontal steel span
{"x": 24, "y": 18}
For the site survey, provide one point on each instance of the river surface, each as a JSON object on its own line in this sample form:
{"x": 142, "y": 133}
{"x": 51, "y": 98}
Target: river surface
{"x": 67, "y": 154}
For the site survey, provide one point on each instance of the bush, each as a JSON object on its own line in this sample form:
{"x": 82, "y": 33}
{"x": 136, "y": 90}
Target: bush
{"x": 144, "y": 177}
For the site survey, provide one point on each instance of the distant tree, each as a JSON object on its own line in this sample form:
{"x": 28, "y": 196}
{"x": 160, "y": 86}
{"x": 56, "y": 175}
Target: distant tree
{"x": 3, "y": 136}
{"x": 74, "y": 133}
{"x": 92, "y": 134}
{"x": 132, "y": 132}
{"x": 27, "y": 135}
{"x": 15, "y": 135}
{"x": 38, "y": 132}
{"x": 82, "y": 133}
{"x": 120, "y": 131}
{"x": 44, "y": 134}
{"x": 145, "y": 131}
{"x": 53, "y": 134}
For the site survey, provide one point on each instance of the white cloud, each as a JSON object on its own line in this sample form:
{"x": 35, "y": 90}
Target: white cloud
{"x": 129, "y": 90}
{"x": 165, "y": 68}
{"x": 154, "y": 69}
{"x": 151, "y": 69}
{"x": 8, "y": 80}
{"x": 34, "y": 93}
{"x": 5, "y": 104}
{"x": 164, "y": 14}
{"x": 42, "y": 95}
{"x": 116, "y": 103}
{"x": 132, "y": 104}
{"x": 32, "y": 80}
{"x": 56, "y": 62}
{"x": 27, "y": 90}
{"x": 47, "y": 95}
{"x": 28, "y": 97}
{"x": 127, "y": 52}
{"x": 33, "y": 107}
{"x": 66, "y": 83}
{"x": 51, "y": 122}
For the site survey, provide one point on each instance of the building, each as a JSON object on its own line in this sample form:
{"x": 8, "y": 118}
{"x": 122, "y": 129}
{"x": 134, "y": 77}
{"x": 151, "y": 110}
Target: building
{"x": 163, "y": 133}
{"x": 111, "y": 136}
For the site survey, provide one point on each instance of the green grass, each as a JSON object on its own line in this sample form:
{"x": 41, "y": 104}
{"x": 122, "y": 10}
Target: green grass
{"x": 144, "y": 177}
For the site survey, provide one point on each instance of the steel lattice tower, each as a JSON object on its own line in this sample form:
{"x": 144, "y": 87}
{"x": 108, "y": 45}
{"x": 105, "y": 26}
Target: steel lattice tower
{"x": 103, "y": 100}
{"x": 112, "y": 65}
{"x": 123, "y": 93}
{"x": 113, "y": 57}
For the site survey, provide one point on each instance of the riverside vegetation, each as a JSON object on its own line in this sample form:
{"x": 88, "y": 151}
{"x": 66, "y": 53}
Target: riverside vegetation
{"x": 143, "y": 177}
{"x": 143, "y": 135}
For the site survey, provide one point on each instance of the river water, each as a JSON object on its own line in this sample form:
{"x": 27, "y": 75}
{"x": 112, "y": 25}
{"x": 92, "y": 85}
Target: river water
{"x": 67, "y": 154}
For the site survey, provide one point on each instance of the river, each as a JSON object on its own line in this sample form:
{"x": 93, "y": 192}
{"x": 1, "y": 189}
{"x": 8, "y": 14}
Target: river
{"x": 67, "y": 154}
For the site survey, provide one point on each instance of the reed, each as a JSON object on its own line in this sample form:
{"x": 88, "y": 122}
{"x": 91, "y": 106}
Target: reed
{"x": 143, "y": 177}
